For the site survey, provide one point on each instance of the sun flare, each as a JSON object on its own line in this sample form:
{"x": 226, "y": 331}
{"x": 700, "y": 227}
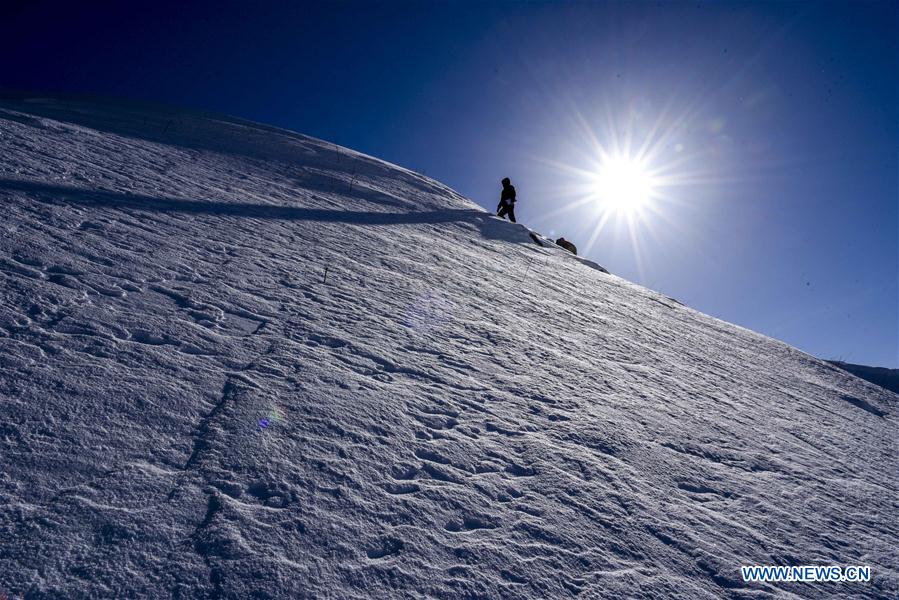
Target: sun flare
{"x": 622, "y": 175}
{"x": 623, "y": 185}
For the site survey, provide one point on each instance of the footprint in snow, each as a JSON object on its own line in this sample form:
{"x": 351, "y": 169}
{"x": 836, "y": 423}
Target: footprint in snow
{"x": 519, "y": 471}
{"x": 385, "y": 547}
{"x": 470, "y": 524}
{"x": 398, "y": 489}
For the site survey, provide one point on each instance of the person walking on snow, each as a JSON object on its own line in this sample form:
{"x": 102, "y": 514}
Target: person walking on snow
{"x": 507, "y": 201}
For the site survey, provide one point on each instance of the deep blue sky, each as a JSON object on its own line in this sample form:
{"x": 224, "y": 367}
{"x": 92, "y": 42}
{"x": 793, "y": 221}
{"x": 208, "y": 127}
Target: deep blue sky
{"x": 776, "y": 124}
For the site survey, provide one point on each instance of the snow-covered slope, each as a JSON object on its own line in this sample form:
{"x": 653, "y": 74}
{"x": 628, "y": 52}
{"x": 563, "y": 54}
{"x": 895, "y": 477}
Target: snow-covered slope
{"x": 238, "y": 362}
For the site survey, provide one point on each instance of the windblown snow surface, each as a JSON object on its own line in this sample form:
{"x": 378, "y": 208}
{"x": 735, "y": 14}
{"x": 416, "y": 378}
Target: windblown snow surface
{"x": 239, "y": 362}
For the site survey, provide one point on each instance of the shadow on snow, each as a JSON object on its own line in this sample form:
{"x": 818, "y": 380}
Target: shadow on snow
{"x": 488, "y": 226}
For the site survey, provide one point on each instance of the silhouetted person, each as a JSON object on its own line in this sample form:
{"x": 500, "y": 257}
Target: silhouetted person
{"x": 507, "y": 201}
{"x": 567, "y": 245}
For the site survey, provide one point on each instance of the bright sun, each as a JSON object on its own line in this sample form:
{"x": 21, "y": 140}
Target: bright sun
{"x": 623, "y": 185}
{"x": 624, "y": 171}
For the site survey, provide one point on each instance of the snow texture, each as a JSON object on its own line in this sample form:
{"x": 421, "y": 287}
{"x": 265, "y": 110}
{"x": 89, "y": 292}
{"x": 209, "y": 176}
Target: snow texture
{"x": 239, "y": 362}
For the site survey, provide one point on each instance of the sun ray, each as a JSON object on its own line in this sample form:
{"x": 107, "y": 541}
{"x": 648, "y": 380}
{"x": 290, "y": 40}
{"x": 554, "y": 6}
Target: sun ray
{"x": 565, "y": 208}
{"x": 597, "y": 230}
{"x": 635, "y": 246}
{"x": 640, "y": 174}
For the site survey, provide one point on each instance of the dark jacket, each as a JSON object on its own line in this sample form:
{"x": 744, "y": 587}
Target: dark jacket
{"x": 508, "y": 194}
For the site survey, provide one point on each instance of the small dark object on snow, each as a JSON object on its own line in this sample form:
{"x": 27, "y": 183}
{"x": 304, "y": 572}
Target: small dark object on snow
{"x": 507, "y": 201}
{"x": 567, "y": 245}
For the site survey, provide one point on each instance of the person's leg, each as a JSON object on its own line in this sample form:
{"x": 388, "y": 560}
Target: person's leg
{"x": 511, "y": 212}
{"x": 503, "y": 209}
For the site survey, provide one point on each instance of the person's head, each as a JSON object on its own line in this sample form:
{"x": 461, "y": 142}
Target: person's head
{"x": 506, "y": 182}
